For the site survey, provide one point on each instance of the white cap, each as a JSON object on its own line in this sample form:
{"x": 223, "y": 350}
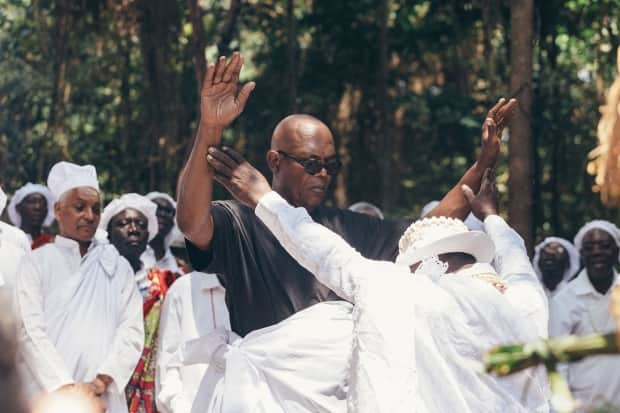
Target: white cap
{"x": 65, "y": 176}
{"x": 2, "y": 200}
{"x": 441, "y": 235}
{"x": 134, "y": 201}
{"x": 22, "y": 193}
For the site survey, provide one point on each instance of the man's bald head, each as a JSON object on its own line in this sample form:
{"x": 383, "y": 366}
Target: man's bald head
{"x": 292, "y": 131}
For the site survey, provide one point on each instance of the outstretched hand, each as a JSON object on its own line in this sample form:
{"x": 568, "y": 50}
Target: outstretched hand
{"x": 492, "y": 128}
{"x": 486, "y": 201}
{"x": 244, "y": 182}
{"x": 220, "y": 103}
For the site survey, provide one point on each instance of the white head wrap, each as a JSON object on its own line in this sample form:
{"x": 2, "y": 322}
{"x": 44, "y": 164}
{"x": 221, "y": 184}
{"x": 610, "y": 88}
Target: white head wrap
{"x": 65, "y": 176}
{"x": 2, "y": 200}
{"x": 175, "y": 234}
{"x": 573, "y": 256}
{"x": 601, "y": 224}
{"x": 22, "y": 193}
{"x": 134, "y": 201}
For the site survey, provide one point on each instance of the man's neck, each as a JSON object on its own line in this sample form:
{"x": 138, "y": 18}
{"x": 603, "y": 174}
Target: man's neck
{"x": 34, "y": 231}
{"x": 602, "y": 284}
{"x": 158, "y": 247}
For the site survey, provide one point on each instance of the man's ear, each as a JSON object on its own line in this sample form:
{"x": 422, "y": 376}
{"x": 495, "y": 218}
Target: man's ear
{"x": 273, "y": 160}
{"x": 57, "y": 210}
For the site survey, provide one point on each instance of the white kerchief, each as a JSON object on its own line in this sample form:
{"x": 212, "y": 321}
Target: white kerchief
{"x": 601, "y": 224}
{"x": 573, "y": 256}
{"x": 66, "y": 175}
{"x": 134, "y": 201}
{"x": 22, "y": 193}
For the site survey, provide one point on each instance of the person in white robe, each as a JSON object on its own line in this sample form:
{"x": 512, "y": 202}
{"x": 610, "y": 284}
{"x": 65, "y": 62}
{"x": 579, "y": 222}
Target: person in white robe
{"x": 158, "y": 253}
{"x": 556, "y": 261}
{"x": 194, "y": 307}
{"x": 31, "y": 209}
{"x": 79, "y": 309}
{"x": 417, "y": 340}
{"x": 582, "y": 308}
{"x": 11, "y": 255}
{"x": 10, "y": 233}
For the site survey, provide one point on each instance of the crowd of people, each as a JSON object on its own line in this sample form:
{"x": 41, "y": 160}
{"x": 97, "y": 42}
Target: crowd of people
{"x": 274, "y": 302}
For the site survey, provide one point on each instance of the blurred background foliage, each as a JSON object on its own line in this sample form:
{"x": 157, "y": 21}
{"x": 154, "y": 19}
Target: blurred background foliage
{"x": 404, "y": 85}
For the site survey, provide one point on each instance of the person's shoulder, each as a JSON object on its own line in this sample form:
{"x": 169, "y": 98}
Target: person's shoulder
{"x": 234, "y": 209}
{"x": 14, "y": 235}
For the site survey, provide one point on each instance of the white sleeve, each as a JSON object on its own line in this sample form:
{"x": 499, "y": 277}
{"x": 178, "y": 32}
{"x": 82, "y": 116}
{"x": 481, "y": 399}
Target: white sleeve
{"x": 322, "y": 252}
{"x": 524, "y": 291}
{"x": 170, "y": 397}
{"x": 39, "y": 353}
{"x": 128, "y": 342}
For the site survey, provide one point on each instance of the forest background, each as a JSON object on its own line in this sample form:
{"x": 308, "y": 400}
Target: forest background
{"x": 404, "y": 85}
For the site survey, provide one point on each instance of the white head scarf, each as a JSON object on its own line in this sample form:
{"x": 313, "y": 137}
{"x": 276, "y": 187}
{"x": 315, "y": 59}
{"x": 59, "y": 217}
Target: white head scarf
{"x": 573, "y": 256}
{"x": 65, "y": 176}
{"x": 22, "y": 193}
{"x": 2, "y": 200}
{"x": 135, "y": 201}
{"x": 601, "y": 224}
{"x": 175, "y": 233}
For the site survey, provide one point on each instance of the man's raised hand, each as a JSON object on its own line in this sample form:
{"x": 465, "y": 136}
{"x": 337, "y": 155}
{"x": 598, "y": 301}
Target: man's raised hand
{"x": 242, "y": 180}
{"x": 492, "y": 128}
{"x": 486, "y": 201}
{"x": 220, "y": 103}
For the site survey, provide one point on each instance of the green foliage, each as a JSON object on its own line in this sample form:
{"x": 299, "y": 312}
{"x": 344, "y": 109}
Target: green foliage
{"x": 113, "y": 83}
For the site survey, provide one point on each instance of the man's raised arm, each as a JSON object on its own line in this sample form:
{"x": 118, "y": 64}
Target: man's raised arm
{"x": 220, "y": 104}
{"x": 454, "y": 203}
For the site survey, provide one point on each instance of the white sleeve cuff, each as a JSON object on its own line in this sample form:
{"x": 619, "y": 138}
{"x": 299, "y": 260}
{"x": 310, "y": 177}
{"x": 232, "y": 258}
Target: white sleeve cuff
{"x": 269, "y": 203}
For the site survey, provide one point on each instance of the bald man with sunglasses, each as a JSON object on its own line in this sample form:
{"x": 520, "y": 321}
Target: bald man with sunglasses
{"x": 264, "y": 284}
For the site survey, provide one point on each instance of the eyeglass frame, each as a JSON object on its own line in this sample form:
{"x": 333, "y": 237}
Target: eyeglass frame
{"x": 324, "y": 165}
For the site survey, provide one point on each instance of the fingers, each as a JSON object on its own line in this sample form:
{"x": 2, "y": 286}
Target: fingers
{"x": 221, "y": 162}
{"x": 208, "y": 79}
{"x": 234, "y": 155}
{"x": 469, "y": 194}
{"x": 244, "y": 94}
{"x": 231, "y": 67}
{"x": 492, "y": 113}
{"x": 506, "y": 112}
{"x": 219, "y": 70}
{"x": 237, "y": 71}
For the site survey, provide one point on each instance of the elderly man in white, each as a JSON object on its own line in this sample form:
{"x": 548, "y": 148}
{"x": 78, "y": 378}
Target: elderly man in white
{"x": 417, "y": 340}
{"x": 582, "y": 308}
{"x": 80, "y": 309}
{"x": 194, "y": 307}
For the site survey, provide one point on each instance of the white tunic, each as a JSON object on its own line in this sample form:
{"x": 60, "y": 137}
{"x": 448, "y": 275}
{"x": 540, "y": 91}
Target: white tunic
{"x": 416, "y": 343}
{"x": 10, "y": 257}
{"x": 14, "y": 235}
{"x": 193, "y": 307}
{"x": 581, "y": 310}
{"x": 80, "y": 316}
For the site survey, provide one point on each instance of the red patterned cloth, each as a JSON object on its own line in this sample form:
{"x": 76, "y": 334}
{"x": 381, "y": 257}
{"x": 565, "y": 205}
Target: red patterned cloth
{"x": 141, "y": 388}
{"x": 41, "y": 240}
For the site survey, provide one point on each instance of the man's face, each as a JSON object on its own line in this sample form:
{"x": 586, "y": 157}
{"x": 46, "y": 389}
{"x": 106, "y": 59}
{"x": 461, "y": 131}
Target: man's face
{"x": 33, "y": 210}
{"x": 165, "y": 216}
{"x": 299, "y": 187}
{"x": 128, "y": 232}
{"x": 599, "y": 254}
{"x": 553, "y": 262}
{"x": 78, "y": 212}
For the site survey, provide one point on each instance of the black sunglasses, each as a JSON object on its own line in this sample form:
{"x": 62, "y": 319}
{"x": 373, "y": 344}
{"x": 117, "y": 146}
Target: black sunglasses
{"x": 313, "y": 166}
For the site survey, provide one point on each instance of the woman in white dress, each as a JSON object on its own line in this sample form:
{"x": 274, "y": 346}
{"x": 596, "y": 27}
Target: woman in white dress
{"x": 406, "y": 342}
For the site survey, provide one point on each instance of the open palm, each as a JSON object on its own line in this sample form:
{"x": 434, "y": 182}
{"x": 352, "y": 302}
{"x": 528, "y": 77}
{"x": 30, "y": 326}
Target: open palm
{"x": 220, "y": 103}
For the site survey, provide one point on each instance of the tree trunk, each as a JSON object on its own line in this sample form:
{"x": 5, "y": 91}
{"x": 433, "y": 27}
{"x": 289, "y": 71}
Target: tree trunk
{"x": 291, "y": 55}
{"x": 198, "y": 42}
{"x": 230, "y": 28}
{"x": 520, "y": 182}
{"x": 383, "y": 131}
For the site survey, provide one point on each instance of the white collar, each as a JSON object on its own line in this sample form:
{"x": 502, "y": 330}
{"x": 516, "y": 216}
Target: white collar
{"x": 582, "y": 285}
{"x": 207, "y": 281}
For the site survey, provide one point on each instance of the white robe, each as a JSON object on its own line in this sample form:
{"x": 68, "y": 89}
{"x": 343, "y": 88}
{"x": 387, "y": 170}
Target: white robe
{"x": 10, "y": 257}
{"x": 14, "y": 235}
{"x": 194, "y": 306}
{"x": 581, "y": 310}
{"x": 80, "y": 316}
{"x": 417, "y": 344}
